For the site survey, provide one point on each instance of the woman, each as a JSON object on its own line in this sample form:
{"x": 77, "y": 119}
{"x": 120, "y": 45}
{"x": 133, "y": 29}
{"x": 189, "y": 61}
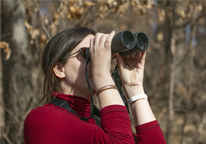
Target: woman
{"x": 63, "y": 65}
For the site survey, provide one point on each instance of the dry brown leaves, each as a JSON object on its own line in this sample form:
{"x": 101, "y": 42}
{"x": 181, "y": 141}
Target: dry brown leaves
{"x": 32, "y": 31}
{"x": 4, "y": 45}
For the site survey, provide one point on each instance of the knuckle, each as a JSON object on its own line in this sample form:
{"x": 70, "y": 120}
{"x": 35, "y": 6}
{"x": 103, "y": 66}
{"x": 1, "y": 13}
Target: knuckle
{"x": 99, "y": 34}
{"x": 108, "y": 40}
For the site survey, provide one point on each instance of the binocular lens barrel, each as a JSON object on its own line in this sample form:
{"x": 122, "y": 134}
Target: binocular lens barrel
{"x": 142, "y": 41}
{"x": 142, "y": 44}
{"x": 126, "y": 43}
{"x": 123, "y": 41}
{"x": 128, "y": 39}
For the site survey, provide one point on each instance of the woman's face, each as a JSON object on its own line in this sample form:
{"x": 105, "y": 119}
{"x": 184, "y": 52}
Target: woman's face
{"x": 75, "y": 82}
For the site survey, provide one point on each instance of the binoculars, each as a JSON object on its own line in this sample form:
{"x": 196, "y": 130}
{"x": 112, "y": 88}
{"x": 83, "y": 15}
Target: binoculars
{"x": 126, "y": 43}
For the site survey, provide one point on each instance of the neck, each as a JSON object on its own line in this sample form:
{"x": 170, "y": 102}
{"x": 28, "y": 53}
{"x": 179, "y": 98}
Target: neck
{"x": 74, "y": 89}
{"x": 77, "y": 92}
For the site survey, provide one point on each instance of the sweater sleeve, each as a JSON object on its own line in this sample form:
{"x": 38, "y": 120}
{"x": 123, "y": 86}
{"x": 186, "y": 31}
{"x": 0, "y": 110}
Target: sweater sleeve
{"x": 150, "y": 133}
{"x": 56, "y": 125}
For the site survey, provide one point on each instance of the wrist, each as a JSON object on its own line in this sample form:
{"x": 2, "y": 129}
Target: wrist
{"x": 102, "y": 80}
{"x": 101, "y": 73}
{"x": 101, "y": 69}
{"x": 104, "y": 88}
{"x": 135, "y": 98}
{"x": 134, "y": 90}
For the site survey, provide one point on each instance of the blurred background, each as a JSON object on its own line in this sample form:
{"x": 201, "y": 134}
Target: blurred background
{"x": 175, "y": 73}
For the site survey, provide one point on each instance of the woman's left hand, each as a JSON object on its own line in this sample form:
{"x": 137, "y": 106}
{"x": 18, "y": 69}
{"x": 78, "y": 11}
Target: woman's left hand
{"x": 132, "y": 72}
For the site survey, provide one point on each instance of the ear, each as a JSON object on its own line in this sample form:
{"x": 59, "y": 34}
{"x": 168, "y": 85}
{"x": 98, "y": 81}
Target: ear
{"x": 59, "y": 70}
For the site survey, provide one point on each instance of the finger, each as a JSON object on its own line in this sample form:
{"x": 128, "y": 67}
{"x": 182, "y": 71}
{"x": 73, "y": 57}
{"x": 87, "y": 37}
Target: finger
{"x": 143, "y": 57}
{"x": 109, "y": 39}
{"x": 132, "y": 55}
{"x": 91, "y": 50}
{"x": 97, "y": 38}
{"x": 120, "y": 61}
{"x": 138, "y": 56}
{"x": 103, "y": 39}
{"x": 126, "y": 60}
{"x": 113, "y": 56}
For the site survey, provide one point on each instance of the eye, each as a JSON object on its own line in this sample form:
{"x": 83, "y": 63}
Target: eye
{"x": 84, "y": 52}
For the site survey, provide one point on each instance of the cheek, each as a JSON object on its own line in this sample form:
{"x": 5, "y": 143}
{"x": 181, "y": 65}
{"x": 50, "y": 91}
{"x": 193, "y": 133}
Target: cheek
{"x": 75, "y": 73}
{"x": 82, "y": 72}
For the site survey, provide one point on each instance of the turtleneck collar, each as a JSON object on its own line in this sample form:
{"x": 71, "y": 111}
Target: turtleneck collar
{"x": 79, "y": 104}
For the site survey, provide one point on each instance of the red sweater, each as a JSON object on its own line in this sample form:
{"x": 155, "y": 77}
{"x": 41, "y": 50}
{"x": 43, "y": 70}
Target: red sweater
{"x": 51, "y": 124}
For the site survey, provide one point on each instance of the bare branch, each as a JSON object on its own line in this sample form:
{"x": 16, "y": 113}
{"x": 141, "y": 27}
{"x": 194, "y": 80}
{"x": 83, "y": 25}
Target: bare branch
{"x": 6, "y": 138}
{"x": 42, "y": 18}
{"x": 83, "y": 18}
{"x": 11, "y": 114}
{"x": 190, "y": 21}
{"x": 178, "y": 64}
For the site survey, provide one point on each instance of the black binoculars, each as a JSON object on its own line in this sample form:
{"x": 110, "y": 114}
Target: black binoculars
{"x": 126, "y": 43}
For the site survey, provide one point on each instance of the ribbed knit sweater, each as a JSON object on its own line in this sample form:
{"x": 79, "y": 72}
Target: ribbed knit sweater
{"x": 50, "y": 124}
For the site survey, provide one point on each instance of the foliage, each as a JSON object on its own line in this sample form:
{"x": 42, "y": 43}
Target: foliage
{"x": 4, "y": 45}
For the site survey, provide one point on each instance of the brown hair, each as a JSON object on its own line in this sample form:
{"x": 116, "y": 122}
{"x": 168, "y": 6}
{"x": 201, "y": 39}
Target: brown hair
{"x": 58, "y": 50}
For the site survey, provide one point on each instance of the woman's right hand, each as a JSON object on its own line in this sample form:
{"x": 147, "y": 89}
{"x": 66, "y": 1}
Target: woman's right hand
{"x": 100, "y": 54}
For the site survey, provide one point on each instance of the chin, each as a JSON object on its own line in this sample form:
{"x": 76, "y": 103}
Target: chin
{"x": 92, "y": 86}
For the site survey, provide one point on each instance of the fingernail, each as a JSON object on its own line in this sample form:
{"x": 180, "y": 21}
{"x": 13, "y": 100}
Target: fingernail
{"x": 112, "y": 31}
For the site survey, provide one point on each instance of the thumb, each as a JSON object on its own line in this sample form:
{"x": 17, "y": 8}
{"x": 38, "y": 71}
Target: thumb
{"x": 120, "y": 61}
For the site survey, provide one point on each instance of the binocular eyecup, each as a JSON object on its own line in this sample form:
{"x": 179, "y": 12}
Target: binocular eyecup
{"x": 126, "y": 43}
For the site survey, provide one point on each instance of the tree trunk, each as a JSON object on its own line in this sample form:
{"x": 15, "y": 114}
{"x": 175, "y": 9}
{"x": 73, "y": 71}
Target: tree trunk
{"x": 190, "y": 76}
{"x": 170, "y": 50}
{"x": 171, "y": 93}
{"x": 2, "y": 122}
{"x": 17, "y": 78}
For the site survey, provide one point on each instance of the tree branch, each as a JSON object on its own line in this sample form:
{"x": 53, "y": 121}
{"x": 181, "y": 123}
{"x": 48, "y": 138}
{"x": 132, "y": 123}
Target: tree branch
{"x": 11, "y": 114}
{"x": 42, "y": 18}
{"x": 83, "y": 18}
{"x": 6, "y": 138}
{"x": 190, "y": 21}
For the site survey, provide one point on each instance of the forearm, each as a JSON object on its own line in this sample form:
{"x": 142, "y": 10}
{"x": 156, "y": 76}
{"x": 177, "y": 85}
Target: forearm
{"x": 150, "y": 133}
{"x": 110, "y": 96}
{"x": 142, "y": 112}
{"x": 141, "y": 109}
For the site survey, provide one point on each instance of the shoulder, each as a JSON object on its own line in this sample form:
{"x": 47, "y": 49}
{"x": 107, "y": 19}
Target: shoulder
{"x": 47, "y": 123}
{"x": 49, "y": 112}
{"x": 48, "y": 116}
